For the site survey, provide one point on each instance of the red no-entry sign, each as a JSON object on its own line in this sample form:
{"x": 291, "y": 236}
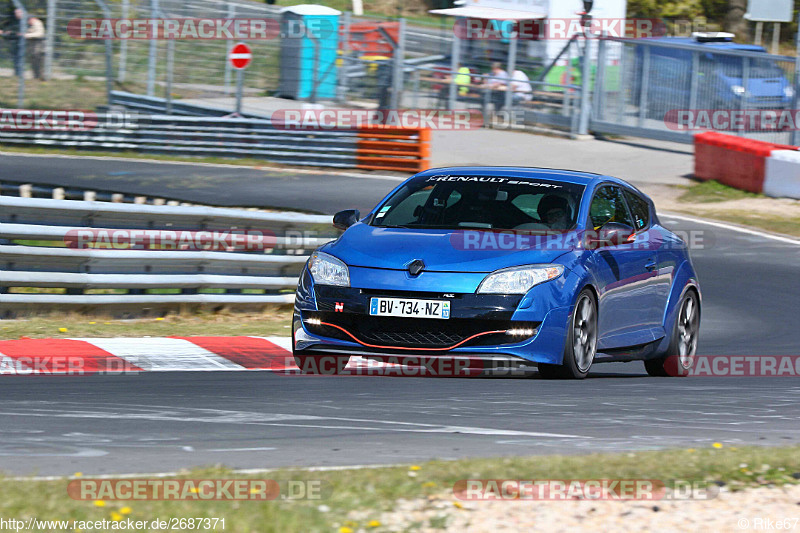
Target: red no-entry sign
{"x": 240, "y": 56}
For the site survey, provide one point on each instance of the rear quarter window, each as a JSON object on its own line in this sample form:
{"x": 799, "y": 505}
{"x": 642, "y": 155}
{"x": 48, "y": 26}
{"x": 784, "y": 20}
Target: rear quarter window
{"x": 640, "y": 210}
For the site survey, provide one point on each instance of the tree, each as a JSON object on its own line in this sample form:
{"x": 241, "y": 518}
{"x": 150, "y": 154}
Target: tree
{"x": 734, "y": 20}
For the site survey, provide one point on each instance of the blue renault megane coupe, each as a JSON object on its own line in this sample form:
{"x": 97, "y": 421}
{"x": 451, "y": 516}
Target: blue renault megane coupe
{"x": 514, "y": 266}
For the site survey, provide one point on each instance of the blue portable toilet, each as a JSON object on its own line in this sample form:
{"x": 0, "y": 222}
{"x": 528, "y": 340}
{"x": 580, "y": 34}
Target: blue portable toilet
{"x": 309, "y": 49}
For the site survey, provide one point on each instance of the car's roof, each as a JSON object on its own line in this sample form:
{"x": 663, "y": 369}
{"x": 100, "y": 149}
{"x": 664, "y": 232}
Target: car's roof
{"x": 568, "y": 176}
{"x": 723, "y": 45}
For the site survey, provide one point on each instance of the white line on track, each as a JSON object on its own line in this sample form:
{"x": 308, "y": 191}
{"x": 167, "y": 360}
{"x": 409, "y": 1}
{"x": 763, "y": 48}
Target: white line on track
{"x": 263, "y": 449}
{"x": 733, "y": 227}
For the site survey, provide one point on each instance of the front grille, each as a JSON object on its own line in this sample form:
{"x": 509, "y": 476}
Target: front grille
{"x": 414, "y": 332}
{"x": 412, "y": 338}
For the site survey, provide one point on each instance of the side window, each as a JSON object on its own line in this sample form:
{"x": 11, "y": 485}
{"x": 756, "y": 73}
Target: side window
{"x": 640, "y": 210}
{"x": 608, "y": 206}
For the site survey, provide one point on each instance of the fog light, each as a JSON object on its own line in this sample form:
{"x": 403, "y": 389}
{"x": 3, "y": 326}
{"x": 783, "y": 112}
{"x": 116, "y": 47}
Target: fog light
{"x": 523, "y": 332}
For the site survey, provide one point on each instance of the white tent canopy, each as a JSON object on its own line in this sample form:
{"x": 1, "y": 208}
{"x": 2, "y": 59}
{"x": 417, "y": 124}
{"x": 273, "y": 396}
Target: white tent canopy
{"x": 489, "y": 13}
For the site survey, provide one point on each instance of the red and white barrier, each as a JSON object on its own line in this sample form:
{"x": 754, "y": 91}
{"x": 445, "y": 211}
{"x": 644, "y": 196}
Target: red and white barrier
{"x": 746, "y": 164}
{"x": 782, "y": 174}
{"x": 148, "y": 354}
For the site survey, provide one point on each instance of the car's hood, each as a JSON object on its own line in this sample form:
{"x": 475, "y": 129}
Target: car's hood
{"x": 761, "y": 87}
{"x": 443, "y": 250}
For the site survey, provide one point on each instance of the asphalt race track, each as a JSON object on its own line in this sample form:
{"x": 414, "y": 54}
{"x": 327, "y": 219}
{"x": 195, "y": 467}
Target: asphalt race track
{"x": 222, "y": 185}
{"x": 153, "y": 422}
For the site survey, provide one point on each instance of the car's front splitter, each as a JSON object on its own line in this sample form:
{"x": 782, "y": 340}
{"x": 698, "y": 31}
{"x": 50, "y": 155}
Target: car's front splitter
{"x": 545, "y": 346}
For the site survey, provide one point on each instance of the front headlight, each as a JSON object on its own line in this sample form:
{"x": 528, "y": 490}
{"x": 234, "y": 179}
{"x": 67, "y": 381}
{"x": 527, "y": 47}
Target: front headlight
{"x": 788, "y": 91}
{"x": 738, "y": 90}
{"x": 327, "y": 270}
{"x": 518, "y": 280}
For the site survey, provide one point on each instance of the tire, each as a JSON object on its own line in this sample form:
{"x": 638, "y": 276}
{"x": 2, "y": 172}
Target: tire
{"x": 327, "y": 365}
{"x": 678, "y": 359}
{"x": 580, "y": 350}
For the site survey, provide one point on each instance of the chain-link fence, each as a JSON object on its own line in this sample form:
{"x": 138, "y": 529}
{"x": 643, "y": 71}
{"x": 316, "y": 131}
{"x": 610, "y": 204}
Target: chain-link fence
{"x": 674, "y": 89}
{"x": 658, "y": 88}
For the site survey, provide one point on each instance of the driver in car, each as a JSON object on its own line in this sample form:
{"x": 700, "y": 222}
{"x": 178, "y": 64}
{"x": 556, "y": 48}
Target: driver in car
{"x": 552, "y": 211}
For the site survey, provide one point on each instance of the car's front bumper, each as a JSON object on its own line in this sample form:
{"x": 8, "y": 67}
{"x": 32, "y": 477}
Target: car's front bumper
{"x": 336, "y": 320}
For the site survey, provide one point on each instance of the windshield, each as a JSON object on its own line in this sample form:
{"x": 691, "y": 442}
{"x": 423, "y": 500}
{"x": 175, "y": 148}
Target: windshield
{"x": 732, "y": 67}
{"x": 488, "y": 202}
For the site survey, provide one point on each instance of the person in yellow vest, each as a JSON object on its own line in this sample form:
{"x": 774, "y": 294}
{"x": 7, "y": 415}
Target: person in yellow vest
{"x": 463, "y": 80}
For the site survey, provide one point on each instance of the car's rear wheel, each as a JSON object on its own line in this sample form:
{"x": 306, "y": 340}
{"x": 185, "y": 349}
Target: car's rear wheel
{"x": 581, "y": 345}
{"x": 683, "y": 344}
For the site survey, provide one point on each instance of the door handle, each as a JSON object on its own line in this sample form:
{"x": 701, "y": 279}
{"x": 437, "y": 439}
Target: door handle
{"x": 651, "y": 265}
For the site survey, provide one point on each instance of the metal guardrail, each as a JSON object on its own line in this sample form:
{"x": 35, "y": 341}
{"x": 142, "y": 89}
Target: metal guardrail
{"x": 36, "y": 256}
{"x": 158, "y": 106}
{"x": 372, "y": 147}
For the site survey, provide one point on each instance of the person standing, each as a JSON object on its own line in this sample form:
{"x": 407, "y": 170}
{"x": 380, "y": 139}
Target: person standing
{"x": 34, "y": 37}
{"x": 498, "y": 83}
{"x": 35, "y": 44}
{"x": 521, "y": 85}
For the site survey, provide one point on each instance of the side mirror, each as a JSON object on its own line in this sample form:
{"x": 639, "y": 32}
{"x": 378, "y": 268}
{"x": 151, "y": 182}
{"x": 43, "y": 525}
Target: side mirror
{"x": 611, "y": 234}
{"x": 344, "y": 219}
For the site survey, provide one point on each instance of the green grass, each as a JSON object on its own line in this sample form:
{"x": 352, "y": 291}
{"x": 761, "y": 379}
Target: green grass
{"x": 60, "y": 94}
{"x": 770, "y": 223}
{"x": 373, "y": 491}
{"x": 274, "y": 322}
{"x": 714, "y": 191}
{"x": 710, "y": 192}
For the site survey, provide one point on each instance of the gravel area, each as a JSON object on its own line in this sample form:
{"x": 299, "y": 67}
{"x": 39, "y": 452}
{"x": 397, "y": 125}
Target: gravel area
{"x": 745, "y": 510}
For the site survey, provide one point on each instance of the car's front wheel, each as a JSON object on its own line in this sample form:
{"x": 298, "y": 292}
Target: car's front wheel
{"x": 581, "y": 344}
{"x": 679, "y": 356}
